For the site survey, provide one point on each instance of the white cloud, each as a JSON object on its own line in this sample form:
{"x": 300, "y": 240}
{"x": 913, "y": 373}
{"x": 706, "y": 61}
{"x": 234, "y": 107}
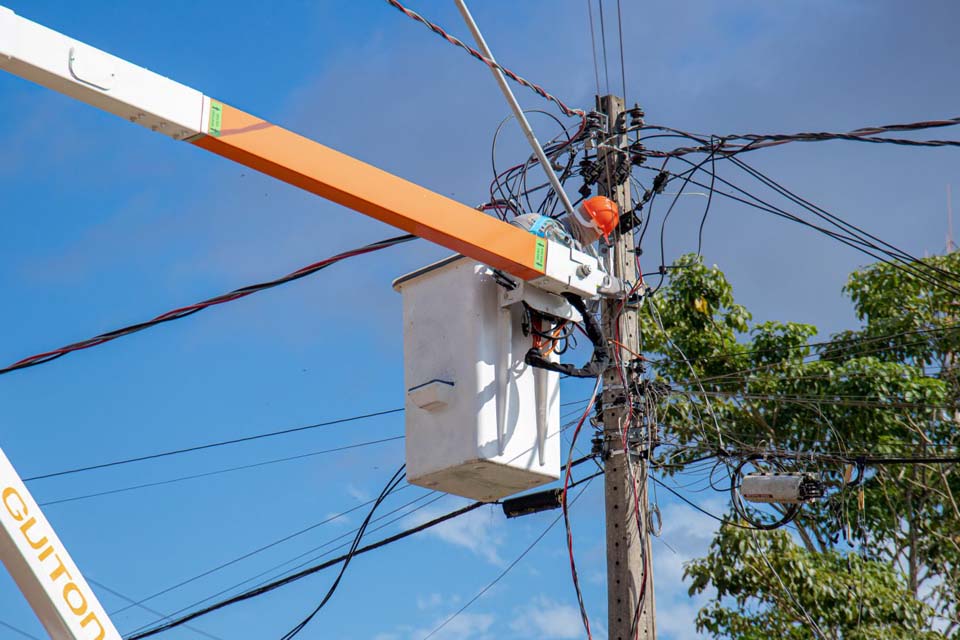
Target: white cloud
{"x": 430, "y": 601}
{"x": 546, "y": 619}
{"x": 436, "y": 600}
{"x": 479, "y": 531}
{"x": 338, "y": 518}
{"x": 466, "y": 626}
{"x": 357, "y": 493}
{"x": 675, "y": 619}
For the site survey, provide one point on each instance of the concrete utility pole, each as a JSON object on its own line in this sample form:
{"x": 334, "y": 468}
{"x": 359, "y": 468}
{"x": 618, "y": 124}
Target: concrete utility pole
{"x": 629, "y": 561}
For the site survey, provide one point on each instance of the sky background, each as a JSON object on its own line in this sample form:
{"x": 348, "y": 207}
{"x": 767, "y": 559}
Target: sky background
{"x": 103, "y": 224}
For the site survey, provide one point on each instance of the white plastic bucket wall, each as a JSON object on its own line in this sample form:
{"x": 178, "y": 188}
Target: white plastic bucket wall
{"x": 451, "y": 344}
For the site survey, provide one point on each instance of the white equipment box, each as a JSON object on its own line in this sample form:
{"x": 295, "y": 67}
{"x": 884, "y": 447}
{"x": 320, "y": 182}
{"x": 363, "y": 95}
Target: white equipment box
{"x": 480, "y": 423}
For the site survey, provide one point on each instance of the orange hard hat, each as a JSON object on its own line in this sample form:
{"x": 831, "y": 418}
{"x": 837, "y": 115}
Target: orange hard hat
{"x": 603, "y": 213}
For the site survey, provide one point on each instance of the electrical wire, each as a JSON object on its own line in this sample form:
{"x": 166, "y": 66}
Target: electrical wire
{"x": 212, "y": 445}
{"x": 390, "y": 486}
{"x": 706, "y": 211}
{"x": 603, "y": 44}
{"x": 844, "y": 458}
{"x": 849, "y": 234}
{"x": 838, "y": 222}
{"x": 838, "y": 401}
{"x": 513, "y": 564}
{"x": 217, "y": 472}
{"x": 827, "y": 344}
{"x": 248, "y": 554}
{"x": 623, "y": 67}
{"x": 306, "y": 572}
{"x": 859, "y": 244}
{"x": 656, "y": 315}
{"x": 222, "y": 443}
{"x": 796, "y": 603}
{"x": 698, "y": 507}
{"x": 508, "y": 189}
{"x": 856, "y": 240}
{"x": 300, "y": 532}
{"x": 593, "y": 45}
{"x": 566, "y": 512}
{"x": 865, "y": 134}
{"x": 305, "y": 563}
{"x": 116, "y": 593}
{"x": 183, "y": 312}
{"x": 21, "y": 632}
{"x": 487, "y": 61}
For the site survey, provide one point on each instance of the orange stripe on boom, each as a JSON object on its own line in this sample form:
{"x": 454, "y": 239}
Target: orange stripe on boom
{"x": 318, "y": 169}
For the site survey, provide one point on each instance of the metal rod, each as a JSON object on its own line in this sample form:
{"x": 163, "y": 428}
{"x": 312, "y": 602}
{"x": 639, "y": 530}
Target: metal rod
{"x": 517, "y": 111}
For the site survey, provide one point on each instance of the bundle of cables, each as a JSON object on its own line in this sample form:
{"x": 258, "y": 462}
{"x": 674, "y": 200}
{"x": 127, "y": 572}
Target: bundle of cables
{"x": 536, "y": 357}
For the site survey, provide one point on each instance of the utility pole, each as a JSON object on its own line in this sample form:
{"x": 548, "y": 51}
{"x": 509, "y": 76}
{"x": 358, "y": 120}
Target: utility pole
{"x": 629, "y": 561}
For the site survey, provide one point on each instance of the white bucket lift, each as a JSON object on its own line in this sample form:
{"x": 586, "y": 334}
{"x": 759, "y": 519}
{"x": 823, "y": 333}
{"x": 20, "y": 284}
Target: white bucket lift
{"x": 480, "y": 422}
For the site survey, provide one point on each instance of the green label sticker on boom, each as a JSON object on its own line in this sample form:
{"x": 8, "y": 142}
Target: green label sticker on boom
{"x": 540, "y": 255}
{"x": 216, "y": 118}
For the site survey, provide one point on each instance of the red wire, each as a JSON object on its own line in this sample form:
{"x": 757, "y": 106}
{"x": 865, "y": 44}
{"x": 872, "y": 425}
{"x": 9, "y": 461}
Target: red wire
{"x": 47, "y": 356}
{"x": 566, "y": 513}
{"x": 487, "y": 61}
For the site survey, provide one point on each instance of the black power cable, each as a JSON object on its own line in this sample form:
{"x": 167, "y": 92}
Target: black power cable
{"x": 390, "y": 486}
{"x": 305, "y": 572}
{"x": 189, "y": 310}
{"x": 598, "y": 361}
{"x": 856, "y": 243}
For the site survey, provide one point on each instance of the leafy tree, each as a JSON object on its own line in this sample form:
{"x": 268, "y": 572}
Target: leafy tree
{"x": 879, "y": 556}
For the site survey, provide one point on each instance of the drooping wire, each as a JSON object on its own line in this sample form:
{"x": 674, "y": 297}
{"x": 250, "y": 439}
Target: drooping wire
{"x": 304, "y": 573}
{"x": 848, "y": 233}
{"x": 866, "y": 134}
{"x": 347, "y": 534}
{"x": 183, "y": 312}
{"x": 838, "y": 222}
{"x": 706, "y": 210}
{"x": 281, "y": 580}
{"x": 566, "y": 511}
{"x": 508, "y": 190}
{"x": 390, "y": 486}
{"x": 855, "y": 242}
{"x": 514, "y": 563}
{"x": 434, "y": 497}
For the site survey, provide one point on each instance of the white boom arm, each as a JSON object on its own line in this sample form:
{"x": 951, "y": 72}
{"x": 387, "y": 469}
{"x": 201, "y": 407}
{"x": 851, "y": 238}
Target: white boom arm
{"x": 42, "y": 568}
{"x": 29, "y": 548}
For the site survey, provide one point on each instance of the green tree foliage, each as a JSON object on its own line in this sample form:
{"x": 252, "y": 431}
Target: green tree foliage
{"x": 875, "y": 559}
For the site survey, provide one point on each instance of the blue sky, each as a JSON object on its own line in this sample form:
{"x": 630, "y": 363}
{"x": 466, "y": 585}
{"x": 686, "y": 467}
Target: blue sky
{"x": 104, "y": 224}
